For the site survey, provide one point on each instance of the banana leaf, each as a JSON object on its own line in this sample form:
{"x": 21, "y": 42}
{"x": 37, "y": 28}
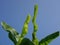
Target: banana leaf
{"x": 13, "y": 35}
{"x": 49, "y": 38}
{"x": 26, "y": 41}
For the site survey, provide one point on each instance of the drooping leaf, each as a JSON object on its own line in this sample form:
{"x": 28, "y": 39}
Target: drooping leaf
{"x": 13, "y": 35}
{"x": 49, "y": 38}
{"x": 26, "y": 41}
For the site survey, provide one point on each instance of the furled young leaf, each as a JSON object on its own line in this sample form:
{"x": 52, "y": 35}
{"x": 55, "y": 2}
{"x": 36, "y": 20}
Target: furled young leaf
{"x": 35, "y": 13}
{"x": 49, "y": 38}
{"x": 34, "y": 38}
{"x": 13, "y": 35}
{"x": 26, "y": 41}
{"x": 25, "y": 26}
{"x": 24, "y": 30}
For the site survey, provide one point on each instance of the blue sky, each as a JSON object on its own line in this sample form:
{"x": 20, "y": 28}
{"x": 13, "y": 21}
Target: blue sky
{"x": 14, "y": 13}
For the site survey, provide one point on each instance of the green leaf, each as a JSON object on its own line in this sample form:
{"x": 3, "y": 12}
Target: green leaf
{"x": 28, "y": 19}
{"x": 25, "y": 26}
{"x": 35, "y": 13}
{"x": 13, "y": 35}
{"x": 26, "y": 41}
{"x": 24, "y": 29}
{"x": 34, "y": 38}
{"x": 49, "y": 38}
{"x": 35, "y": 41}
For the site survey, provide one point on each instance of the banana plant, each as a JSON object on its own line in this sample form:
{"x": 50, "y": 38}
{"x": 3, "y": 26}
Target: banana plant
{"x": 20, "y": 39}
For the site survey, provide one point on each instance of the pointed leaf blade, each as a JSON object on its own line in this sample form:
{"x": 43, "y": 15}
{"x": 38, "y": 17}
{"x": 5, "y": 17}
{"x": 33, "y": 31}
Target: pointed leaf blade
{"x": 12, "y": 32}
{"x": 49, "y": 38}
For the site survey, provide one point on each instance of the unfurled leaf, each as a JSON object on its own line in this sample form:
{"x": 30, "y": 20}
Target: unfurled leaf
{"x": 49, "y": 38}
{"x": 26, "y": 41}
{"x": 13, "y": 35}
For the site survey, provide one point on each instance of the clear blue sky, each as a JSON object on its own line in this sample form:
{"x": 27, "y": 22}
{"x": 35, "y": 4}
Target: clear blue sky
{"x": 14, "y": 13}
